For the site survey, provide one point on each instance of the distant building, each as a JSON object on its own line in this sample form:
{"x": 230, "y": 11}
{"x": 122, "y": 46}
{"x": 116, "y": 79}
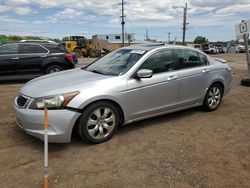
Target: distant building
{"x": 112, "y": 41}
{"x": 117, "y": 37}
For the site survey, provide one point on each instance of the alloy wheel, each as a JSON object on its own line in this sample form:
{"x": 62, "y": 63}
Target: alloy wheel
{"x": 214, "y": 97}
{"x": 101, "y": 123}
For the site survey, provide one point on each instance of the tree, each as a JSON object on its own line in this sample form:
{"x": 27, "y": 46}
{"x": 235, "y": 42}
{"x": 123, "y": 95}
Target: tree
{"x": 200, "y": 40}
{"x": 57, "y": 40}
{"x": 14, "y": 38}
{"x": 65, "y": 39}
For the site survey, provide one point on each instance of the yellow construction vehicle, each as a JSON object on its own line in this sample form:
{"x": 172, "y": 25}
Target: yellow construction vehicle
{"x": 80, "y": 46}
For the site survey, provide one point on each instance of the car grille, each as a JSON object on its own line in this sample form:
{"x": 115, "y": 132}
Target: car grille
{"x": 22, "y": 101}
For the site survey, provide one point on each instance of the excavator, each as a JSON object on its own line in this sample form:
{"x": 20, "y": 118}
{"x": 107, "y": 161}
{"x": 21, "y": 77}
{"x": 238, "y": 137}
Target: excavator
{"x": 80, "y": 46}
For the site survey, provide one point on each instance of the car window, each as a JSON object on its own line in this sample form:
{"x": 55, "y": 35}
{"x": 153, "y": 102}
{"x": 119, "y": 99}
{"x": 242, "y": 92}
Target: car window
{"x": 117, "y": 62}
{"x": 203, "y": 59}
{"x": 161, "y": 61}
{"x": 56, "y": 48}
{"x": 9, "y": 49}
{"x": 30, "y": 48}
{"x": 188, "y": 59}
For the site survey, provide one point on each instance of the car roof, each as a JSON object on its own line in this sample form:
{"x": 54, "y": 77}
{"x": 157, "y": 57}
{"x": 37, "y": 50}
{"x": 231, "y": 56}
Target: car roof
{"x": 37, "y": 41}
{"x": 152, "y": 46}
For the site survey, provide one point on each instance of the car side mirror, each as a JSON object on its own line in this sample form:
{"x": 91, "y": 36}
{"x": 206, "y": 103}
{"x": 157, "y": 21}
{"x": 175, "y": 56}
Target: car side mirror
{"x": 144, "y": 73}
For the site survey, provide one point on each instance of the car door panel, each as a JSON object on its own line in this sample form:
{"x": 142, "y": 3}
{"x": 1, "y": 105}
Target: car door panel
{"x": 30, "y": 59}
{"x": 192, "y": 78}
{"x": 192, "y": 85}
{"x": 7, "y": 64}
{"x": 151, "y": 95}
{"x": 156, "y": 94}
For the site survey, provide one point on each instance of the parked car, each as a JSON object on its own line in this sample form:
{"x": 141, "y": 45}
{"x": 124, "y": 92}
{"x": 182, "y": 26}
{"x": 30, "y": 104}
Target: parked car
{"x": 212, "y": 50}
{"x": 231, "y": 48}
{"x": 31, "y": 58}
{"x": 240, "y": 49}
{"x": 130, "y": 84}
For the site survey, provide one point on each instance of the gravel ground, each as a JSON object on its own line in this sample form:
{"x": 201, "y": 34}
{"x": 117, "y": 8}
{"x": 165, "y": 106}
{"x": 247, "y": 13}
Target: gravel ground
{"x": 191, "y": 148}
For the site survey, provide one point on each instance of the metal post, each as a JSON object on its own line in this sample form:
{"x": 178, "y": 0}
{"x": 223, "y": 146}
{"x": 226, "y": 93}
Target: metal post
{"x": 123, "y": 23}
{"x": 46, "y": 174}
{"x": 184, "y": 24}
{"x": 245, "y": 37}
{"x": 169, "y": 38}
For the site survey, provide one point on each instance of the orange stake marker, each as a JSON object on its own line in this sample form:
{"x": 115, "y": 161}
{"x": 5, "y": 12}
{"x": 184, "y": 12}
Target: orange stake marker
{"x": 46, "y": 173}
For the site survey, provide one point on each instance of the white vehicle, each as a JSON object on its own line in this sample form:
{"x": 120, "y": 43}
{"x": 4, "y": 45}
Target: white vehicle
{"x": 212, "y": 50}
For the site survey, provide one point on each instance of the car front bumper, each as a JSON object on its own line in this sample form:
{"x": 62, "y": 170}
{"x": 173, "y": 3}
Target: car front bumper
{"x": 60, "y": 123}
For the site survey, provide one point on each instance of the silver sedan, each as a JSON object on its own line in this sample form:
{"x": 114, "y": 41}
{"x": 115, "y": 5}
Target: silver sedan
{"x": 127, "y": 85}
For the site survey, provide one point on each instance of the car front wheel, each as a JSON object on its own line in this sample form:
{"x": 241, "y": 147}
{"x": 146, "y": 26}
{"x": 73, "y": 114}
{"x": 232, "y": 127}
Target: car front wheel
{"x": 213, "y": 98}
{"x": 98, "y": 122}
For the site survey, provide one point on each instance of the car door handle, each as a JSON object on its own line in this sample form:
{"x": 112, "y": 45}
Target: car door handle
{"x": 43, "y": 56}
{"x": 15, "y": 58}
{"x": 205, "y": 71}
{"x": 173, "y": 77}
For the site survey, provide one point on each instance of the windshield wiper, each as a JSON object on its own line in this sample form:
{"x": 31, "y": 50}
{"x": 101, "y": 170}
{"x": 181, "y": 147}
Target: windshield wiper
{"x": 95, "y": 71}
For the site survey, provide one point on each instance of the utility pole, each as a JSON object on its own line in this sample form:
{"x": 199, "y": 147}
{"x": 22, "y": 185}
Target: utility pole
{"x": 147, "y": 35}
{"x": 175, "y": 39}
{"x": 184, "y": 24}
{"x": 169, "y": 38}
{"x": 123, "y": 22}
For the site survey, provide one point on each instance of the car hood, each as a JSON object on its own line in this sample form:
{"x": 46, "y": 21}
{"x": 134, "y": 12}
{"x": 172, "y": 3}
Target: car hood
{"x": 56, "y": 83}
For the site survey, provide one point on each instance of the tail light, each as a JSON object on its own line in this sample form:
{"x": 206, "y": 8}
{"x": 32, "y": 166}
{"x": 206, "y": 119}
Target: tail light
{"x": 69, "y": 57}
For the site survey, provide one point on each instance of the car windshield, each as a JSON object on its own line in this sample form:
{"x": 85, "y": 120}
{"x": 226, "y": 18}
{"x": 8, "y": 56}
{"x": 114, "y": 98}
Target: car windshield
{"x": 116, "y": 63}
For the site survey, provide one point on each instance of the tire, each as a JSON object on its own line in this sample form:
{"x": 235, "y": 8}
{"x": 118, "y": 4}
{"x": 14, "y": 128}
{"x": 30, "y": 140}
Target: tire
{"x": 213, "y": 98}
{"x": 245, "y": 82}
{"x": 53, "y": 68}
{"x": 93, "y": 53}
{"x": 94, "y": 126}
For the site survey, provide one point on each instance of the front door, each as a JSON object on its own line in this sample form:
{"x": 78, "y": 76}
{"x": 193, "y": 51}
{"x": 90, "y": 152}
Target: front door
{"x": 149, "y": 96}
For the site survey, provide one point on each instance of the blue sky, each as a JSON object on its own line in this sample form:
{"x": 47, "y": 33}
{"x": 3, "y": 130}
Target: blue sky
{"x": 213, "y": 19}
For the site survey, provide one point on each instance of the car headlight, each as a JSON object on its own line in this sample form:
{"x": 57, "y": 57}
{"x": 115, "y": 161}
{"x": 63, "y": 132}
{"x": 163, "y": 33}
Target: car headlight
{"x": 53, "y": 102}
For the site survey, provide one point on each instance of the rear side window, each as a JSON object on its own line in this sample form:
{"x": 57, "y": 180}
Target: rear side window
{"x": 161, "y": 61}
{"x": 188, "y": 59}
{"x": 56, "y": 48}
{"x": 9, "y": 49}
{"x": 31, "y": 48}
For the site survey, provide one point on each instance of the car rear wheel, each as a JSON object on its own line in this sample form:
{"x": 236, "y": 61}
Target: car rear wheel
{"x": 213, "y": 98}
{"x": 53, "y": 68}
{"x": 98, "y": 122}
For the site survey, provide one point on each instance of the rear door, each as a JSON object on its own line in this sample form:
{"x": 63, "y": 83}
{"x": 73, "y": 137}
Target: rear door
{"x": 31, "y": 58}
{"x": 192, "y": 70}
{"x": 8, "y": 57}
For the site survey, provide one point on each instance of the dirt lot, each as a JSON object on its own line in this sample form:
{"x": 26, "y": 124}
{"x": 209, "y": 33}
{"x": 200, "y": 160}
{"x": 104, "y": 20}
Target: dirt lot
{"x": 191, "y": 148}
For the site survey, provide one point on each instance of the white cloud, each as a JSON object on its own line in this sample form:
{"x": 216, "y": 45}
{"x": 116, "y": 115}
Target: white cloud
{"x": 23, "y": 10}
{"x": 4, "y": 8}
{"x": 234, "y": 9}
{"x": 17, "y": 2}
{"x": 217, "y": 3}
{"x": 10, "y": 20}
{"x": 69, "y": 13}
